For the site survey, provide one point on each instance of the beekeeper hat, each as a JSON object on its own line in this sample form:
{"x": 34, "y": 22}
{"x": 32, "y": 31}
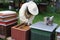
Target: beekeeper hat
{"x": 32, "y": 8}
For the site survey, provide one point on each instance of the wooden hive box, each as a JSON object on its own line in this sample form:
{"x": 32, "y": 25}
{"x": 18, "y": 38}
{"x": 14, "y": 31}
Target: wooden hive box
{"x": 5, "y": 31}
{"x": 40, "y": 31}
{"x": 7, "y": 20}
{"x": 58, "y": 33}
{"x": 18, "y": 33}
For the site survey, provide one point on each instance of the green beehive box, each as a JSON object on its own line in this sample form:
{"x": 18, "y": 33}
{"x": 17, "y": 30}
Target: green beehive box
{"x": 40, "y": 31}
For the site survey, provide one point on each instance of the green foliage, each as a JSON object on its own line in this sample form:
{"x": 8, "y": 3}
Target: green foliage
{"x": 51, "y": 9}
{"x": 41, "y": 16}
{"x": 6, "y": 5}
{"x": 37, "y": 1}
{"x": 40, "y": 1}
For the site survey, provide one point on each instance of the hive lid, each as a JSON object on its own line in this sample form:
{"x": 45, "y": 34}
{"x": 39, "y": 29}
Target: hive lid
{"x": 44, "y": 27}
{"x": 7, "y": 12}
{"x": 58, "y": 30}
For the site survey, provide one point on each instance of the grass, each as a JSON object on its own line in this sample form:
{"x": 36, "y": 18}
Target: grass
{"x": 41, "y": 16}
{"x": 1, "y": 39}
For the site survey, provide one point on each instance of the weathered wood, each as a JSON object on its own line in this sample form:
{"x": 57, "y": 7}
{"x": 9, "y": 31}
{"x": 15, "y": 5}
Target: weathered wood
{"x": 19, "y": 33}
{"x": 5, "y": 31}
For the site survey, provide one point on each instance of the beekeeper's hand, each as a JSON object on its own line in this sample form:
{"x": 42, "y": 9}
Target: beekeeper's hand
{"x": 23, "y": 19}
{"x": 31, "y": 20}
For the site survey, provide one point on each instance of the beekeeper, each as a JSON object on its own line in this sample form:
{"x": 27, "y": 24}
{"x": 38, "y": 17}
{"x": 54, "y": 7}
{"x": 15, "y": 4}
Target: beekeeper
{"x": 27, "y": 12}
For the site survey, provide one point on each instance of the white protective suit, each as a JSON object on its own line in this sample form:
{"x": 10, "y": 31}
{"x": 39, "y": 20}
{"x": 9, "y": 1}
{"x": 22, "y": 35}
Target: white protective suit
{"x": 32, "y": 8}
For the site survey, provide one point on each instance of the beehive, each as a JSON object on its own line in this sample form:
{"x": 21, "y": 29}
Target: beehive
{"x": 18, "y": 33}
{"x": 58, "y": 33}
{"x": 7, "y": 20}
{"x": 40, "y": 31}
{"x": 5, "y": 31}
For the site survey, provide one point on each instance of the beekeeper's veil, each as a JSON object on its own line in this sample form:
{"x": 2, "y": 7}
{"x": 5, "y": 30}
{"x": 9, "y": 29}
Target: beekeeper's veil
{"x": 32, "y": 7}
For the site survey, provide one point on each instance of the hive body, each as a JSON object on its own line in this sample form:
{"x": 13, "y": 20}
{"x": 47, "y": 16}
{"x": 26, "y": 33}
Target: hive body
{"x": 40, "y": 31}
{"x": 18, "y": 33}
{"x": 58, "y": 33}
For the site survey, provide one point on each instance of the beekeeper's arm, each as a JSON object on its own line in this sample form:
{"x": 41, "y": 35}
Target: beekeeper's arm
{"x": 23, "y": 19}
{"x": 21, "y": 13}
